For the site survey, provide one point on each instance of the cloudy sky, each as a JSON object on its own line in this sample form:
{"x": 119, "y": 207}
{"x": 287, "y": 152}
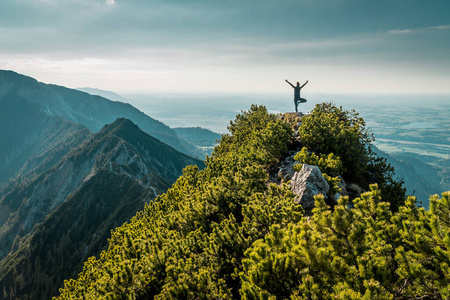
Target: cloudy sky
{"x": 340, "y": 46}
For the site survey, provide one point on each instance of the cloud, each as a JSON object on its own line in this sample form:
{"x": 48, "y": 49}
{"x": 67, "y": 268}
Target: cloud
{"x": 70, "y": 37}
{"x": 442, "y": 27}
{"x": 396, "y": 31}
{"x": 418, "y": 30}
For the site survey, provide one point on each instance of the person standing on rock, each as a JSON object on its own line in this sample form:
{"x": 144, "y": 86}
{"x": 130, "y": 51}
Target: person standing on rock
{"x": 297, "y": 89}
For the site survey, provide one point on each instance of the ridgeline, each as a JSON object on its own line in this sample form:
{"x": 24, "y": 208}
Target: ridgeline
{"x": 226, "y": 232}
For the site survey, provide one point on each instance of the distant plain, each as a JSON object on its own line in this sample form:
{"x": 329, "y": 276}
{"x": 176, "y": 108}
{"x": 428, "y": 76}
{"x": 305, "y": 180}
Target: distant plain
{"x": 400, "y": 123}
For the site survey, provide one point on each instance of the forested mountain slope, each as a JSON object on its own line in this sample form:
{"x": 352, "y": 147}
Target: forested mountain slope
{"x": 202, "y": 138}
{"x": 224, "y": 232}
{"x": 65, "y": 215}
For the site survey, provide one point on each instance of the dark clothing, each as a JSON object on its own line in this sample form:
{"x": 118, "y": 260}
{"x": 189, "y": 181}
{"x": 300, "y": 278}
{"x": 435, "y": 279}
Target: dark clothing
{"x": 297, "y": 92}
{"x": 297, "y": 101}
{"x": 297, "y": 98}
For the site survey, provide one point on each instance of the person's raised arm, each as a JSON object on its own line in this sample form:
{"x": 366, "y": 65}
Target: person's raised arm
{"x": 290, "y": 83}
{"x": 304, "y": 84}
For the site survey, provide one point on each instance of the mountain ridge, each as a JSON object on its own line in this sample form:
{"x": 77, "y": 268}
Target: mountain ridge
{"x": 82, "y": 108}
{"x": 29, "y": 136}
{"x": 103, "y": 93}
{"x": 228, "y": 232}
{"x": 99, "y": 185}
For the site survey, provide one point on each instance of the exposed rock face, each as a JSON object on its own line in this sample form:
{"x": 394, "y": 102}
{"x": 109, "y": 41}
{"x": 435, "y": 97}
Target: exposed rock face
{"x": 286, "y": 168}
{"x": 308, "y": 183}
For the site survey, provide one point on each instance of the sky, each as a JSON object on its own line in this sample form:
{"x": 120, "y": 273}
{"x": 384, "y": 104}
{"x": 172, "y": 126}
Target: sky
{"x": 230, "y": 46}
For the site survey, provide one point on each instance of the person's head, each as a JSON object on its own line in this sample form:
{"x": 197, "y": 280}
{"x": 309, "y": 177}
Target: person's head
{"x": 298, "y": 83}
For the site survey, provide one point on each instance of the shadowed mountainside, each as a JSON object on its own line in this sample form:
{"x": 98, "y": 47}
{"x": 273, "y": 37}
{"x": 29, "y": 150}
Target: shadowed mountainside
{"x": 29, "y": 136}
{"x": 65, "y": 215}
{"x": 83, "y": 108}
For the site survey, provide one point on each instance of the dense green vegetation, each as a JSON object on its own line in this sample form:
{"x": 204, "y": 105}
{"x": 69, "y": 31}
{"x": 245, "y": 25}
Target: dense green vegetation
{"x": 223, "y": 232}
{"x": 332, "y": 130}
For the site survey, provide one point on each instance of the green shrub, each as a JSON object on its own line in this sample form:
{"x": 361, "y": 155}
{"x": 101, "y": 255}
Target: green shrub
{"x": 331, "y": 164}
{"x": 365, "y": 252}
{"x": 331, "y": 130}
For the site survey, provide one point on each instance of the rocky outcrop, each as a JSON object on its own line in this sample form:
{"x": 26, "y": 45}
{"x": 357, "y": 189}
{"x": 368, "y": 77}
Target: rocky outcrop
{"x": 308, "y": 183}
{"x": 286, "y": 168}
{"x": 294, "y": 120}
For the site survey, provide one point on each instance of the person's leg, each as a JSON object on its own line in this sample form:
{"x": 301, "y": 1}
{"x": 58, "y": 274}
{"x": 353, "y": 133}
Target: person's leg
{"x": 296, "y": 104}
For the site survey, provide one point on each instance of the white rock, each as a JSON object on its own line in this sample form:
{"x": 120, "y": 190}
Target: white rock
{"x": 308, "y": 183}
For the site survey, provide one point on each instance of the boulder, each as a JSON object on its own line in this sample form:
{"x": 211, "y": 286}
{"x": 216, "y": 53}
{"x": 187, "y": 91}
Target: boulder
{"x": 286, "y": 167}
{"x": 308, "y": 183}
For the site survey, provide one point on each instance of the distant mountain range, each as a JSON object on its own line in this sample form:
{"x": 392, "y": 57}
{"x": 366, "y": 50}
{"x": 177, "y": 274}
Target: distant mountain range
{"x": 421, "y": 179}
{"x": 105, "y": 94}
{"x": 29, "y": 136}
{"x": 22, "y": 97}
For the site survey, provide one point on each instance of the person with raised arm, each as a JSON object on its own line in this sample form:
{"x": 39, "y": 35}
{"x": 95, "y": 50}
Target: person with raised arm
{"x": 297, "y": 89}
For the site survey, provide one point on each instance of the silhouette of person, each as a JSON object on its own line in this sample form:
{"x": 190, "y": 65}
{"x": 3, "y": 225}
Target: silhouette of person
{"x": 297, "y": 89}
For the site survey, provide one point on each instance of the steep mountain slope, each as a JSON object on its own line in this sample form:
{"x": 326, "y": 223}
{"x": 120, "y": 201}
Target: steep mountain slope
{"x": 82, "y": 108}
{"x": 108, "y": 178}
{"x": 420, "y": 179}
{"x": 76, "y": 230}
{"x": 29, "y": 136}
